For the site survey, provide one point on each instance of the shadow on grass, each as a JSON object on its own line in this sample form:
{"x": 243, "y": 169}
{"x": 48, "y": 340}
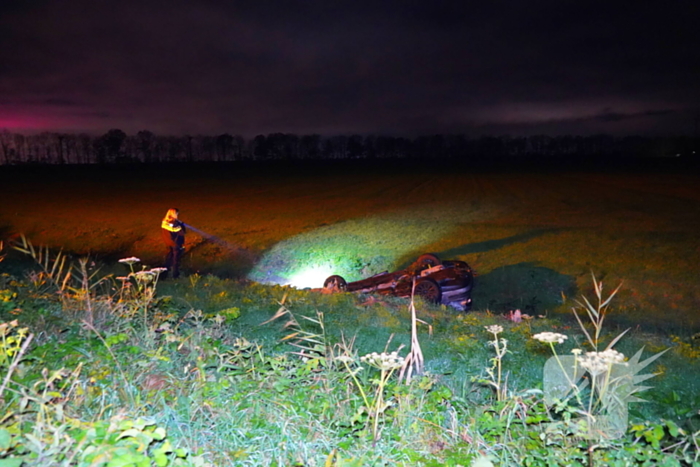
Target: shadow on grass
{"x": 490, "y": 245}
{"x": 532, "y": 289}
{"x": 223, "y": 262}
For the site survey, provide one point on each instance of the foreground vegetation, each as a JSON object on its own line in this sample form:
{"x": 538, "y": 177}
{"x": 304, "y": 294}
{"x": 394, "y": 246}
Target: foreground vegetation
{"x": 123, "y": 370}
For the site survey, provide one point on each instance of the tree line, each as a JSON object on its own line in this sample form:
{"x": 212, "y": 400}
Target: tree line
{"x": 115, "y": 146}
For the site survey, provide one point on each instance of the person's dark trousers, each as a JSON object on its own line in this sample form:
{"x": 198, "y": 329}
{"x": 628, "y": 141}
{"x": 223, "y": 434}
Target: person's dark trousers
{"x": 172, "y": 261}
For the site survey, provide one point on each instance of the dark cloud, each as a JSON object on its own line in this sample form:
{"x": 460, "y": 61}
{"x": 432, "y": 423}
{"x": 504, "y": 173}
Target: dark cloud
{"x": 350, "y": 67}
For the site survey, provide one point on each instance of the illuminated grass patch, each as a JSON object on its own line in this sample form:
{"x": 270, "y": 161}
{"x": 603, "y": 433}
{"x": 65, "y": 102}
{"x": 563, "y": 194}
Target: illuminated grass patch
{"x": 353, "y": 249}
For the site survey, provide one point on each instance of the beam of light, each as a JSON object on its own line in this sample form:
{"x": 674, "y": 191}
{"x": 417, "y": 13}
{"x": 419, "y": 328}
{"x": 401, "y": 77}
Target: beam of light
{"x": 214, "y": 239}
{"x": 310, "y": 276}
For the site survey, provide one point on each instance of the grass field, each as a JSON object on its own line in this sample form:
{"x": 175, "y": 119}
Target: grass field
{"x": 531, "y": 235}
{"x": 200, "y": 374}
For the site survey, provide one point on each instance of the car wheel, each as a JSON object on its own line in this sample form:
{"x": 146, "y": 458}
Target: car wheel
{"x": 429, "y": 290}
{"x": 428, "y": 260}
{"x": 335, "y": 282}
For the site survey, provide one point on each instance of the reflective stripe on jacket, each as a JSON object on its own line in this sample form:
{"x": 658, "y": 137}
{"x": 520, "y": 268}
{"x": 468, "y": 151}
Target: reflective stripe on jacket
{"x": 171, "y": 227}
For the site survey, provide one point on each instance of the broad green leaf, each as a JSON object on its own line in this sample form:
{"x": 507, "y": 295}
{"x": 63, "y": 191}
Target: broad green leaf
{"x": 160, "y": 459}
{"x": 561, "y": 375}
{"x": 673, "y": 429}
{"x": 482, "y": 461}
{"x": 159, "y": 434}
{"x": 5, "y": 439}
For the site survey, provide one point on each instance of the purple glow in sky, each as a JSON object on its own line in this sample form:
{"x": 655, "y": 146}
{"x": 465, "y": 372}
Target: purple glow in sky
{"x": 318, "y": 66}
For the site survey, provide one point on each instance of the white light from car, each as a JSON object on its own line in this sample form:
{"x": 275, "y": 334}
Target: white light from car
{"x": 310, "y": 276}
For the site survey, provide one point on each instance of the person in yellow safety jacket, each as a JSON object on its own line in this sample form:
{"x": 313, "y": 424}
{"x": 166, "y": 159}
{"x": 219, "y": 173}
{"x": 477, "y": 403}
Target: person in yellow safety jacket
{"x": 173, "y": 232}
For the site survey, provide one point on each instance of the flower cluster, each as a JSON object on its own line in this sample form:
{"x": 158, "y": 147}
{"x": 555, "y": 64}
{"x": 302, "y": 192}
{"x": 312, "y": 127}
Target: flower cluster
{"x": 384, "y": 361}
{"x": 344, "y": 359}
{"x": 599, "y": 362}
{"x": 494, "y": 329}
{"x": 144, "y": 276}
{"x": 550, "y": 337}
{"x": 131, "y": 260}
{"x": 147, "y": 276}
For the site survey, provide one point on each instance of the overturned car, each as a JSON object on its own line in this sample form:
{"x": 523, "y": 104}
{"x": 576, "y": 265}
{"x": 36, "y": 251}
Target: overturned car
{"x": 447, "y": 282}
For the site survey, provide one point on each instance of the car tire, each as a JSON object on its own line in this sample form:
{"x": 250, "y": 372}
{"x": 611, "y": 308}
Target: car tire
{"x": 429, "y": 290}
{"x": 336, "y": 282}
{"x": 428, "y": 260}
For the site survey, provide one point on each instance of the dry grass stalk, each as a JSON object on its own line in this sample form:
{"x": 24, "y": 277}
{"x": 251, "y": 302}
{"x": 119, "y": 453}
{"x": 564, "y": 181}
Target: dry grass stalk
{"x": 414, "y": 362}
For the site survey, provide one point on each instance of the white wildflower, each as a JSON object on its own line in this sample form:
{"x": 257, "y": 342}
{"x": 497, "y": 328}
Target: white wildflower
{"x": 612, "y": 356}
{"x": 384, "y": 361}
{"x": 344, "y": 359}
{"x": 599, "y": 362}
{"x": 158, "y": 270}
{"x": 131, "y": 260}
{"x": 592, "y": 363}
{"x": 144, "y": 276}
{"x": 550, "y": 337}
{"x": 494, "y": 329}
{"x": 576, "y": 352}
{"x": 219, "y": 319}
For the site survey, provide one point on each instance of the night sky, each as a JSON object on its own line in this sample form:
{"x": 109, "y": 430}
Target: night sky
{"x": 385, "y": 67}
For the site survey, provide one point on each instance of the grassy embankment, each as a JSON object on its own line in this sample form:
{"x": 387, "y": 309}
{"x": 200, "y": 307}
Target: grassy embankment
{"x": 530, "y": 236}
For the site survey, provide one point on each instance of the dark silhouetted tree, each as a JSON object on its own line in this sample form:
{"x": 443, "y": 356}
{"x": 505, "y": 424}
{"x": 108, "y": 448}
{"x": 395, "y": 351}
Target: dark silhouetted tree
{"x": 145, "y": 143}
{"x": 339, "y": 145}
{"x": 355, "y": 147}
{"x": 310, "y": 146}
{"x": 109, "y": 146}
{"x": 239, "y": 146}
{"x": 260, "y": 149}
{"x": 224, "y": 147}
{"x": 6, "y": 143}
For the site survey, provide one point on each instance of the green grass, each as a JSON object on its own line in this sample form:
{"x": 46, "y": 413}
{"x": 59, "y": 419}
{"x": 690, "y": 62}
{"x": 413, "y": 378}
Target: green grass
{"x": 530, "y": 236}
{"x": 454, "y": 345}
{"x": 208, "y": 373}
{"x": 198, "y": 361}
